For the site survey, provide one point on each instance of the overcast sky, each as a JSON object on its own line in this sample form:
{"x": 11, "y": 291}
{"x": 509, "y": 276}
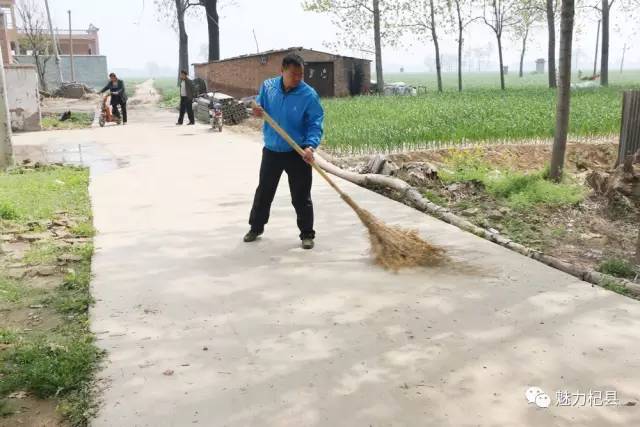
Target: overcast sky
{"x": 131, "y": 36}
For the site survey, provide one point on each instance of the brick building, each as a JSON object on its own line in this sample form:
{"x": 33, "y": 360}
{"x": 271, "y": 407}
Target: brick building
{"x": 85, "y": 42}
{"x": 331, "y": 75}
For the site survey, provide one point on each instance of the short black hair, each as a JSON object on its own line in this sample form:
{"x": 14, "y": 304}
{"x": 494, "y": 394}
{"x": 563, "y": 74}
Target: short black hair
{"x": 112, "y": 75}
{"x": 184, "y": 72}
{"x": 292, "y": 59}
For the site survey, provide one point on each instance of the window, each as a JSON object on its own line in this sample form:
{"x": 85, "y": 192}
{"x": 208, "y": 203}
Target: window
{"x": 8, "y": 17}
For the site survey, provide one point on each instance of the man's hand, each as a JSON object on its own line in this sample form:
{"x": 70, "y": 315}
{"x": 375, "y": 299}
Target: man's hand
{"x": 308, "y": 155}
{"x": 257, "y": 111}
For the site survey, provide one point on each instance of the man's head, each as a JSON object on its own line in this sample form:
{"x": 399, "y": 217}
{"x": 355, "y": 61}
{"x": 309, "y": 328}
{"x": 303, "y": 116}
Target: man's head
{"x": 183, "y": 74}
{"x": 113, "y": 77}
{"x": 292, "y": 70}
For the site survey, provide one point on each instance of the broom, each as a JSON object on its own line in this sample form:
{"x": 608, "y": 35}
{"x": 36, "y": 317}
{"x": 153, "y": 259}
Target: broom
{"x": 392, "y": 247}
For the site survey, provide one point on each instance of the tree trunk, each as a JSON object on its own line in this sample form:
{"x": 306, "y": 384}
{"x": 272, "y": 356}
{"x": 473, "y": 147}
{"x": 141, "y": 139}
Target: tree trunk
{"x": 40, "y": 67}
{"x": 183, "y": 55}
{"x": 460, "y": 41}
{"x": 378, "y": 43}
{"x": 551, "y": 53}
{"x": 6, "y": 149}
{"x": 499, "y": 37}
{"x": 564, "y": 91}
{"x": 630, "y": 129}
{"x": 211, "y": 8}
{"x": 524, "y": 48}
{"x": 595, "y": 58}
{"x": 604, "y": 56}
{"x": 638, "y": 246}
{"x": 434, "y": 37}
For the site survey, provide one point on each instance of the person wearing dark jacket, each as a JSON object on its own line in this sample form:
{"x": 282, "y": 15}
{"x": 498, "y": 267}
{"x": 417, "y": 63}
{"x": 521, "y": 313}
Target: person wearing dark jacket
{"x": 118, "y": 96}
{"x": 187, "y": 93}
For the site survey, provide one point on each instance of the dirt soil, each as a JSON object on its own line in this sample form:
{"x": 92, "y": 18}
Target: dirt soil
{"x": 56, "y": 106}
{"x": 583, "y": 235}
{"x": 32, "y": 412}
{"x": 145, "y": 95}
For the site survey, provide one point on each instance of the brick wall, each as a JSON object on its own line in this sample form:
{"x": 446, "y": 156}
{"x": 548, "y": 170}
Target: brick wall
{"x": 243, "y": 76}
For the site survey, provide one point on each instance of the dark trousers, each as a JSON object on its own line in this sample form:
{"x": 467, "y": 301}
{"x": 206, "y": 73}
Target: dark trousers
{"x": 116, "y": 112}
{"x": 300, "y": 178}
{"x": 186, "y": 105}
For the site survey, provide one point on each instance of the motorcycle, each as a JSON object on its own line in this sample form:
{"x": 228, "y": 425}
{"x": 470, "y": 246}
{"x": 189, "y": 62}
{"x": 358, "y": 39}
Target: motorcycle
{"x": 106, "y": 115}
{"x": 215, "y": 114}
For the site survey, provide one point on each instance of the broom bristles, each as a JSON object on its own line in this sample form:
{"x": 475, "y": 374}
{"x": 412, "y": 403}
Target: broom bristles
{"x": 393, "y": 247}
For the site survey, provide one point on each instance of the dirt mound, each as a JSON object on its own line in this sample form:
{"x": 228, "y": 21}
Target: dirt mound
{"x": 524, "y": 157}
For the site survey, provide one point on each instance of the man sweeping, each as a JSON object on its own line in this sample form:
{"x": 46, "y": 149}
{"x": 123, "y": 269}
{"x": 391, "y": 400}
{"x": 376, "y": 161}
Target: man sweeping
{"x": 295, "y": 106}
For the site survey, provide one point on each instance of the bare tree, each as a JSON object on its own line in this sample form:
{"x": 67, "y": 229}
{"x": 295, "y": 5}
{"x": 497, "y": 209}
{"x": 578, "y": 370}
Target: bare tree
{"x": 500, "y": 15}
{"x": 34, "y": 37}
{"x": 462, "y": 14}
{"x": 604, "y": 55}
{"x": 564, "y": 91}
{"x": 175, "y": 11}
{"x": 365, "y": 25}
{"x": 420, "y": 16}
{"x": 529, "y": 16}
{"x": 604, "y": 8}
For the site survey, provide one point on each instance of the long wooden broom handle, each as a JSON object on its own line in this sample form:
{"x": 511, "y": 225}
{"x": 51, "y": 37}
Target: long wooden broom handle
{"x": 295, "y": 146}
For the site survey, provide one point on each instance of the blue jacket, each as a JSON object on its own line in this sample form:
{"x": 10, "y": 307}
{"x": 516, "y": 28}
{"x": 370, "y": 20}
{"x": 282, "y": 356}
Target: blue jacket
{"x": 298, "y": 112}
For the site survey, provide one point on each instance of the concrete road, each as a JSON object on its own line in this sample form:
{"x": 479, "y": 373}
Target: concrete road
{"x": 203, "y": 329}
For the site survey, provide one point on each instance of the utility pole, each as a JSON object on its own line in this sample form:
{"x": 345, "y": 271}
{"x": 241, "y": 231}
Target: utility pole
{"x": 6, "y": 150}
{"x": 73, "y": 71}
{"x": 256, "y": 39}
{"x": 55, "y": 42}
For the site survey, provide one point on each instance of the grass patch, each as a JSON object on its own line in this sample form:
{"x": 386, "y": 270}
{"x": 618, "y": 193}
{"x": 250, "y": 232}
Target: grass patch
{"x": 76, "y": 121}
{"x": 434, "y": 197}
{"x": 614, "y": 286}
{"x": 42, "y": 253}
{"x": 48, "y": 366}
{"x": 73, "y": 297}
{"x": 519, "y": 190}
{"x": 60, "y": 363}
{"x": 12, "y": 291}
{"x": 38, "y": 194}
{"x": 84, "y": 229}
{"x": 525, "y": 190}
{"x": 8, "y": 336}
{"x": 8, "y": 211}
{"x": 5, "y": 408}
{"x": 618, "y": 268}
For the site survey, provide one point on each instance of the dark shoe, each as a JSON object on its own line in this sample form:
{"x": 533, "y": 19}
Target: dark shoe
{"x": 190, "y": 124}
{"x": 307, "y": 243}
{"x": 178, "y": 124}
{"x": 251, "y": 236}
